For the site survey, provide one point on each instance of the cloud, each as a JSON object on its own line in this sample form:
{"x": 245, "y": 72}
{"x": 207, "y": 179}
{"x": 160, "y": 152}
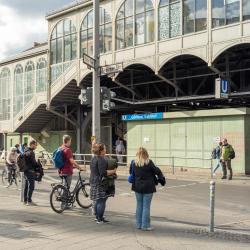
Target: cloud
{"x": 22, "y": 22}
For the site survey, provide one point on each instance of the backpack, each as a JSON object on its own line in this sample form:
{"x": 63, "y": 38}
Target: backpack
{"x": 214, "y": 155}
{"x": 21, "y": 163}
{"x": 39, "y": 173}
{"x": 58, "y": 158}
{"x": 232, "y": 153}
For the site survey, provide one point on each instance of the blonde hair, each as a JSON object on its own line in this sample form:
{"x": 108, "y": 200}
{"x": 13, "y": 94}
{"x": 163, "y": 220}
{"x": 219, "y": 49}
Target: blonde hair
{"x": 142, "y": 157}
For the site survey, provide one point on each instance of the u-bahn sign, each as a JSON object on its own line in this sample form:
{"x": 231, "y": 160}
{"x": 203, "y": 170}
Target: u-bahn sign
{"x": 221, "y": 88}
{"x": 143, "y": 117}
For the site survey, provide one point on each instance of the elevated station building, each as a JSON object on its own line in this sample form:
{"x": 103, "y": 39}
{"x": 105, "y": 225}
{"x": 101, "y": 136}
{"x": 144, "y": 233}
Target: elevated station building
{"x": 172, "y": 53}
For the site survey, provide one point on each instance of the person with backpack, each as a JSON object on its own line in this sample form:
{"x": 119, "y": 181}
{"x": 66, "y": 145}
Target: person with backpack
{"x": 64, "y": 161}
{"x": 30, "y": 166}
{"x": 216, "y": 155}
{"x": 144, "y": 176}
{"x": 227, "y": 155}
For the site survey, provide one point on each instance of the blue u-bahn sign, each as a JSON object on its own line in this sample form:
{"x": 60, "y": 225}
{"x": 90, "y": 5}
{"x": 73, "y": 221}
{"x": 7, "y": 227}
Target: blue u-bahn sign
{"x": 143, "y": 117}
{"x": 221, "y": 88}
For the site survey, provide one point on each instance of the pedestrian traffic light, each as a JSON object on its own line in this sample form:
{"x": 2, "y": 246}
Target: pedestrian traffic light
{"x": 86, "y": 96}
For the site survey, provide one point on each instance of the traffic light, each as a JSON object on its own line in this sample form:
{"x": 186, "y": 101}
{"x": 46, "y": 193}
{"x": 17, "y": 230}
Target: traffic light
{"x": 86, "y": 96}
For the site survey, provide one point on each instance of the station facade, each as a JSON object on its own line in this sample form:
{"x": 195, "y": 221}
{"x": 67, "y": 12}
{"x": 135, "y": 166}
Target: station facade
{"x": 172, "y": 52}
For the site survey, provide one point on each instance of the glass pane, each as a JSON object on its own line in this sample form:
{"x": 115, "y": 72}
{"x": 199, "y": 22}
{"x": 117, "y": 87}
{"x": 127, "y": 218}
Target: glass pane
{"x": 129, "y": 8}
{"x": 175, "y": 19}
{"x": 148, "y": 5}
{"x": 139, "y": 29}
{"x": 60, "y": 29}
{"x": 108, "y": 38}
{"x": 107, "y": 17}
{"x": 218, "y": 13}
{"x": 150, "y": 26}
{"x": 121, "y": 12}
{"x": 59, "y": 58}
{"x": 84, "y": 43}
{"x": 84, "y": 23}
{"x": 201, "y": 15}
{"x": 67, "y": 25}
{"x": 164, "y": 22}
{"x": 189, "y": 15}
{"x": 90, "y": 42}
{"x": 90, "y": 19}
{"x": 73, "y": 46}
{"x": 67, "y": 48}
{"x": 129, "y": 32}
{"x": 139, "y": 6}
{"x": 120, "y": 43}
{"x": 53, "y": 33}
{"x": 102, "y": 15}
{"x": 246, "y": 9}
{"x": 232, "y": 11}
{"x": 101, "y": 39}
{"x": 53, "y": 51}
{"x": 164, "y": 2}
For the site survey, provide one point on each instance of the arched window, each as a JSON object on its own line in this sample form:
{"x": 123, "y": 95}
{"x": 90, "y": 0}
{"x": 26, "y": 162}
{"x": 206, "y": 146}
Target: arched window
{"x": 41, "y": 75}
{"x": 169, "y": 18}
{"x": 63, "y": 44}
{"x": 105, "y": 33}
{"x": 194, "y": 15}
{"x": 5, "y": 94}
{"x": 29, "y": 83}
{"x": 246, "y": 9}
{"x": 18, "y": 89}
{"x": 225, "y": 12}
{"x": 134, "y": 23}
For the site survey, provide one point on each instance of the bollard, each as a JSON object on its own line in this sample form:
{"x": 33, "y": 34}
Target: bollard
{"x": 22, "y": 187}
{"x": 173, "y": 170}
{"x": 211, "y": 169}
{"x": 212, "y": 203}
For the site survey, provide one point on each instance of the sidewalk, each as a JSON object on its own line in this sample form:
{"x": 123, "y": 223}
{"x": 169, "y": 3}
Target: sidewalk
{"x": 39, "y": 227}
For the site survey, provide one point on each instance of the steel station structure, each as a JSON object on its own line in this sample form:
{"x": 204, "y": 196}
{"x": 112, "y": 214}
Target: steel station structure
{"x": 172, "y": 53}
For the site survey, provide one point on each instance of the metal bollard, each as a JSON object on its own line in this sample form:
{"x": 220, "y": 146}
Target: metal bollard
{"x": 173, "y": 170}
{"x": 22, "y": 187}
{"x": 211, "y": 169}
{"x": 212, "y": 203}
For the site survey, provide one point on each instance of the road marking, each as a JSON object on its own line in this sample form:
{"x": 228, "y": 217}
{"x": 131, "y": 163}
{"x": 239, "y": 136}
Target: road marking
{"x": 180, "y": 186}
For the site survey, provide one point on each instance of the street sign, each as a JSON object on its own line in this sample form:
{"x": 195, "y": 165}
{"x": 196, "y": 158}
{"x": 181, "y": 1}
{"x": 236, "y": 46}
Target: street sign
{"x": 111, "y": 69}
{"x": 143, "y": 117}
{"x": 221, "y": 88}
{"x": 89, "y": 61}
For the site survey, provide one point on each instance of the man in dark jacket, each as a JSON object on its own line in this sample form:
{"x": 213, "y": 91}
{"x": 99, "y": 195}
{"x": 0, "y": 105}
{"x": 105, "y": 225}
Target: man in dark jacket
{"x": 29, "y": 173}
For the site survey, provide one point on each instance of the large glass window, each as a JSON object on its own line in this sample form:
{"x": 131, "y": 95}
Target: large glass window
{"x": 225, "y": 12}
{"x": 246, "y": 9}
{"x": 105, "y": 33}
{"x": 18, "y": 89}
{"x": 41, "y": 75}
{"x": 134, "y": 23}
{"x": 169, "y": 18}
{"x": 29, "y": 82}
{"x": 5, "y": 94}
{"x": 194, "y": 15}
{"x": 63, "y": 42}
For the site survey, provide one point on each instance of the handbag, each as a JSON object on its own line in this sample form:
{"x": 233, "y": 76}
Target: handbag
{"x": 131, "y": 178}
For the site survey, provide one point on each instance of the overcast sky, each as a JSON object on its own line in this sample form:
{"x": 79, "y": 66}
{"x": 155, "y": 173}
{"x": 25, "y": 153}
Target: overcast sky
{"x": 22, "y": 22}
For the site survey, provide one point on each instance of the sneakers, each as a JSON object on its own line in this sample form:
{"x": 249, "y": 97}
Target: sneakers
{"x": 230, "y": 178}
{"x": 147, "y": 229}
{"x": 223, "y": 177}
{"x": 32, "y": 204}
{"x": 102, "y": 221}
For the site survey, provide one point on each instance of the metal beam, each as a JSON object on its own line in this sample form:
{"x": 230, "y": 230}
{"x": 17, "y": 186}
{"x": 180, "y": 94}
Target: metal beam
{"x": 200, "y": 85}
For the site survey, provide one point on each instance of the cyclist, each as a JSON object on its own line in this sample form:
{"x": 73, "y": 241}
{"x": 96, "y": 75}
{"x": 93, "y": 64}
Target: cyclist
{"x": 11, "y": 163}
{"x": 70, "y": 163}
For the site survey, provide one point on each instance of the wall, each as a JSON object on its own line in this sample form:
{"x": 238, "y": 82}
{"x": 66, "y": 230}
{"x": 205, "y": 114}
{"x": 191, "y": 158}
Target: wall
{"x": 192, "y": 137}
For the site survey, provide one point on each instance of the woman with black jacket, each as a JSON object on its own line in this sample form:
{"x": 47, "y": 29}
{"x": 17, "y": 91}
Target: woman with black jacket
{"x": 98, "y": 190}
{"x": 146, "y": 175}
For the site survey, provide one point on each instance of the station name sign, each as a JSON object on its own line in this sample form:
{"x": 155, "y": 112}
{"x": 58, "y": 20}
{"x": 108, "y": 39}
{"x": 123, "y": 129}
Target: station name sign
{"x": 143, "y": 117}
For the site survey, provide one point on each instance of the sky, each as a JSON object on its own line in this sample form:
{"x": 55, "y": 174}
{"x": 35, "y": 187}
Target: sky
{"x": 22, "y": 22}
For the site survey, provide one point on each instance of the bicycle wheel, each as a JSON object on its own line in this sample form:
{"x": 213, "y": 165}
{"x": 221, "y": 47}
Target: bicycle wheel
{"x": 5, "y": 177}
{"x": 82, "y": 196}
{"x": 59, "y": 198}
{"x": 18, "y": 178}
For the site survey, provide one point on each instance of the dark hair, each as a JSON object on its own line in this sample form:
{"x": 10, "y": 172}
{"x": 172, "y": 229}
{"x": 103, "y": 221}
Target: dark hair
{"x": 17, "y": 146}
{"x": 32, "y": 142}
{"x": 25, "y": 144}
{"x": 98, "y": 148}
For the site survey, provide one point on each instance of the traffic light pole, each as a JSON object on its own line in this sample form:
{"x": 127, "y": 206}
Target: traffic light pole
{"x": 96, "y": 119}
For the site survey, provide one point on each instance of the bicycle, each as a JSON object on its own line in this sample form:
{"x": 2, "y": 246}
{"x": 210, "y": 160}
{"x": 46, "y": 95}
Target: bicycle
{"x": 15, "y": 177}
{"x": 62, "y": 198}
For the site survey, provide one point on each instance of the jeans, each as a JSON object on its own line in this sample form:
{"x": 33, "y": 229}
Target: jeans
{"x": 217, "y": 165}
{"x": 67, "y": 179}
{"x": 29, "y": 185}
{"x": 100, "y": 206}
{"x": 143, "y": 210}
{"x": 10, "y": 171}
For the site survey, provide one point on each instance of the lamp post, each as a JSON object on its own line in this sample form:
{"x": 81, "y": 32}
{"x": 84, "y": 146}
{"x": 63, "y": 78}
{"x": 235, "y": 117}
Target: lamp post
{"x": 96, "y": 119}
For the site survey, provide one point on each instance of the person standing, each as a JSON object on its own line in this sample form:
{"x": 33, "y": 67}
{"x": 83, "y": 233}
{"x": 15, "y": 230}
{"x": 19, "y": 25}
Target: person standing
{"x": 98, "y": 171}
{"x": 216, "y": 154}
{"x": 145, "y": 173}
{"x": 11, "y": 162}
{"x": 69, "y": 162}
{"x": 29, "y": 173}
{"x": 120, "y": 151}
{"x": 227, "y": 155}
